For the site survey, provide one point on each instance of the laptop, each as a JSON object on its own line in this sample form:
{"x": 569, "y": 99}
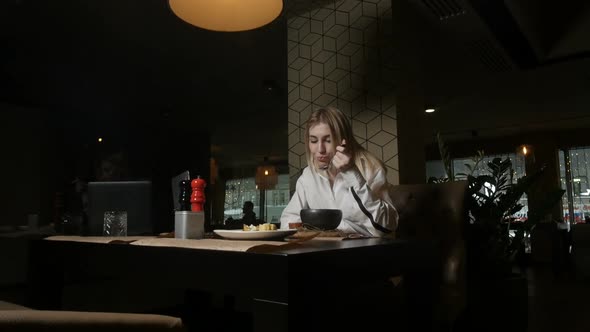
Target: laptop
{"x": 134, "y": 197}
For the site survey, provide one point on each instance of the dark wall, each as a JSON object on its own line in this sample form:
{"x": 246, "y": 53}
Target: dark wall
{"x": 156, "y": 148}
{"x": 21, "y": 137}
{"x": 46, "y": 150}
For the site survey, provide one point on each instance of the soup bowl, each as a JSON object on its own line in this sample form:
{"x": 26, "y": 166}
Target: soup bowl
{"x": 324, "y": 219}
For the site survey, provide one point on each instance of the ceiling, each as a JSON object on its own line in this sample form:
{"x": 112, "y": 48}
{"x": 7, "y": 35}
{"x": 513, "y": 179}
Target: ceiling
{"x": 486, "y": 64}
{"x": 501, "y": 67}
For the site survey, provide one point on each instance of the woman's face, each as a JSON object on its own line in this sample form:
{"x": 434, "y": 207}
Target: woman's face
{"x": 321, "y": 144}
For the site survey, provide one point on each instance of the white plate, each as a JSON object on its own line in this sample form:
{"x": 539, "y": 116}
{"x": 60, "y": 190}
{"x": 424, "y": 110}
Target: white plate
{"x": 238, "y": 234}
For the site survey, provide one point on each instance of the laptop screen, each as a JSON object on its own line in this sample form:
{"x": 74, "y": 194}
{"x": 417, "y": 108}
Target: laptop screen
{"x": 133, "y": 197}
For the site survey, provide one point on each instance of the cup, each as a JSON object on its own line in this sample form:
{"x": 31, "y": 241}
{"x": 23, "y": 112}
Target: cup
{"x": 115, "y": 223}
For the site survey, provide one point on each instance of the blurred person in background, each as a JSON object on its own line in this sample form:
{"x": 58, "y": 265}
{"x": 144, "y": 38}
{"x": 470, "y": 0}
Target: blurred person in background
{"x": 248, "y": 218}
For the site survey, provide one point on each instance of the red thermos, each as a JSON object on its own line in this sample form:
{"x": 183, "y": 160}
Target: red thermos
{"x": 198, "y": 195}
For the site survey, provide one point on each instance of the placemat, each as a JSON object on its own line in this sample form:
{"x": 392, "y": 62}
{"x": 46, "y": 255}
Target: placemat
{"x": 97, "y": 239}
{"x": 214, "y": 244}
{"x": 331, "y": 235}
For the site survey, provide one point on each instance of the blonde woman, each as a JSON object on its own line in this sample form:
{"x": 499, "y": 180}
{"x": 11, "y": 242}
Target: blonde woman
{"x": 341, "y": 174}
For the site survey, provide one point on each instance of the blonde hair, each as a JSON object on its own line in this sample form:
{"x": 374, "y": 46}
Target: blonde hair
{"x": 340, "y": 129}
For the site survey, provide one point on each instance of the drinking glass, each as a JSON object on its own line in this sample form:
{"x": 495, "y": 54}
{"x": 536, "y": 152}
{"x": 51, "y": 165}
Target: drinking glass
{"x": 115, "y": 223}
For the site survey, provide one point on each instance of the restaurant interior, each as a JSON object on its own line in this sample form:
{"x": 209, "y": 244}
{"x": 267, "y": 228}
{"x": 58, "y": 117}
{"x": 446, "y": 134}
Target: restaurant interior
{"x": 85, "y": 81}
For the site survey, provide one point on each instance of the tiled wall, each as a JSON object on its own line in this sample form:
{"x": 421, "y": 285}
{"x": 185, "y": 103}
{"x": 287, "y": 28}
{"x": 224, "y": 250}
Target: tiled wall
{"x": 340, "y": 54}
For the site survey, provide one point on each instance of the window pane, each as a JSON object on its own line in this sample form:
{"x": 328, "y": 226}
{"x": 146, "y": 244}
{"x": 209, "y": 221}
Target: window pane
{"x": 277, "y": 199}
{"x": 579, "y": 158}
{"x": 563, "y": 182}
{"x": 237, "y": 191}
{"x": 435, "y": 168}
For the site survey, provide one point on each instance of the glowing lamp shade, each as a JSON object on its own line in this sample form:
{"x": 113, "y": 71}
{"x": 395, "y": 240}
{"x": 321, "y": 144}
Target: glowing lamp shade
{"x": 227, "y": 15}
{"x": 525, "y": 149}
{"x": 266, "y": 177}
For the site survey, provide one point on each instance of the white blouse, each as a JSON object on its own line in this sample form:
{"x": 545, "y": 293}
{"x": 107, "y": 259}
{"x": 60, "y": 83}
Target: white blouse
{"x": 366, "y": 206}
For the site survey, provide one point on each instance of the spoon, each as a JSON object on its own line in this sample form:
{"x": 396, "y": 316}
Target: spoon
{"x": 302, "y": 238}
{"x": 330, "y": 163}
{"x": 327, "y": 166}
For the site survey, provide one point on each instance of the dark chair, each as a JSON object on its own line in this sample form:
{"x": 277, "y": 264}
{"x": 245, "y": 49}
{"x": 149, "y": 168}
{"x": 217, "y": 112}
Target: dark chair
{"x": 581, "y": 249}
{"x": 437, "y": 212}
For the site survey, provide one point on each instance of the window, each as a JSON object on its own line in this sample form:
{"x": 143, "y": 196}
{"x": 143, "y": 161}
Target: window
{"x": 574, "y": 170}
{"x": 237, "y": 191}
{"x": 435, "y": 169}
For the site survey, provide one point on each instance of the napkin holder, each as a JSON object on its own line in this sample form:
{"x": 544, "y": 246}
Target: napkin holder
{"x": 189, "y": 225}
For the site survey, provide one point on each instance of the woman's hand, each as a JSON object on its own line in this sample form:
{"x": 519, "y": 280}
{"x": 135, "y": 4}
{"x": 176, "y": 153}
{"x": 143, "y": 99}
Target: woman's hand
{"x": 342, "y": 160}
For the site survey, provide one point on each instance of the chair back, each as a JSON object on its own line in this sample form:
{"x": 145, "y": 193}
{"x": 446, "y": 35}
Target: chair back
{"x": 438, "y": 212}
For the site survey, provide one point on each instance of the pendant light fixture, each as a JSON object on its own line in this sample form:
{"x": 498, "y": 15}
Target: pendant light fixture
{"x": 266, "y": 179}
{"x": 227, "y": 15}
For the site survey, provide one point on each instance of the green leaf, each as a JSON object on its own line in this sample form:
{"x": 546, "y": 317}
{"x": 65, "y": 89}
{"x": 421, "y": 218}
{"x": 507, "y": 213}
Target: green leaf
{"x": 491, "y": 199}
{"x": 433, "y": 179}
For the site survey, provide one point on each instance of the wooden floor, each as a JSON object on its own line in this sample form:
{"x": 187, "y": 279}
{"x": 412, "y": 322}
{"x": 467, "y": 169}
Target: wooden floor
{"x": 558, "y": 301}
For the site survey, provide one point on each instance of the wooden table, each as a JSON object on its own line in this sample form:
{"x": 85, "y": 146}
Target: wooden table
{"x": 313, "y": 286}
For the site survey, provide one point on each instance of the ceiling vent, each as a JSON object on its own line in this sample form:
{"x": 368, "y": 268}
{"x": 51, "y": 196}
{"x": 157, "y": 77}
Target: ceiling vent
{"x": 488, "y": 55}
{"x": 444, "y": 9}
{"x": 460, "y": 24}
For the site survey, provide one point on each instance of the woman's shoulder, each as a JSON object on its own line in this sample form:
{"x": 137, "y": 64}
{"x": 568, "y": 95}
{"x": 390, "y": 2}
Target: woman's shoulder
{"x": 306, "y": 172}
{"x": 307, "y": 176}
{"x": 370, "y": 166}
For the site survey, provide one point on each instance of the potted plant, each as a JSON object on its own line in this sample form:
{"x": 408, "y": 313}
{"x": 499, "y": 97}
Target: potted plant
{"x": 496, "y": 293}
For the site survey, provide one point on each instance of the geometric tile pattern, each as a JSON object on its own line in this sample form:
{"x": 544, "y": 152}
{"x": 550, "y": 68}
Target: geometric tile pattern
{"x": 340, "y": 53}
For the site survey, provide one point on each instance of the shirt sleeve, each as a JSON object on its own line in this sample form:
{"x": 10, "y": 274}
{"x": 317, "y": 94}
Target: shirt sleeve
{"x": 291, "y": 213}
{"x": 372, "y": 210}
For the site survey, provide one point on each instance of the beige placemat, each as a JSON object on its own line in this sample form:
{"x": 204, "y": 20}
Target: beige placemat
{"x": 316, "y": 235}
{"x": 214, "y": 244}
{"x": 96, "y": 239}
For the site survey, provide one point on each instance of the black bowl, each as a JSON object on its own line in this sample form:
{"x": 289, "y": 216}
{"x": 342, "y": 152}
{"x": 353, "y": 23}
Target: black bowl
{"x": 324, "y": 219}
